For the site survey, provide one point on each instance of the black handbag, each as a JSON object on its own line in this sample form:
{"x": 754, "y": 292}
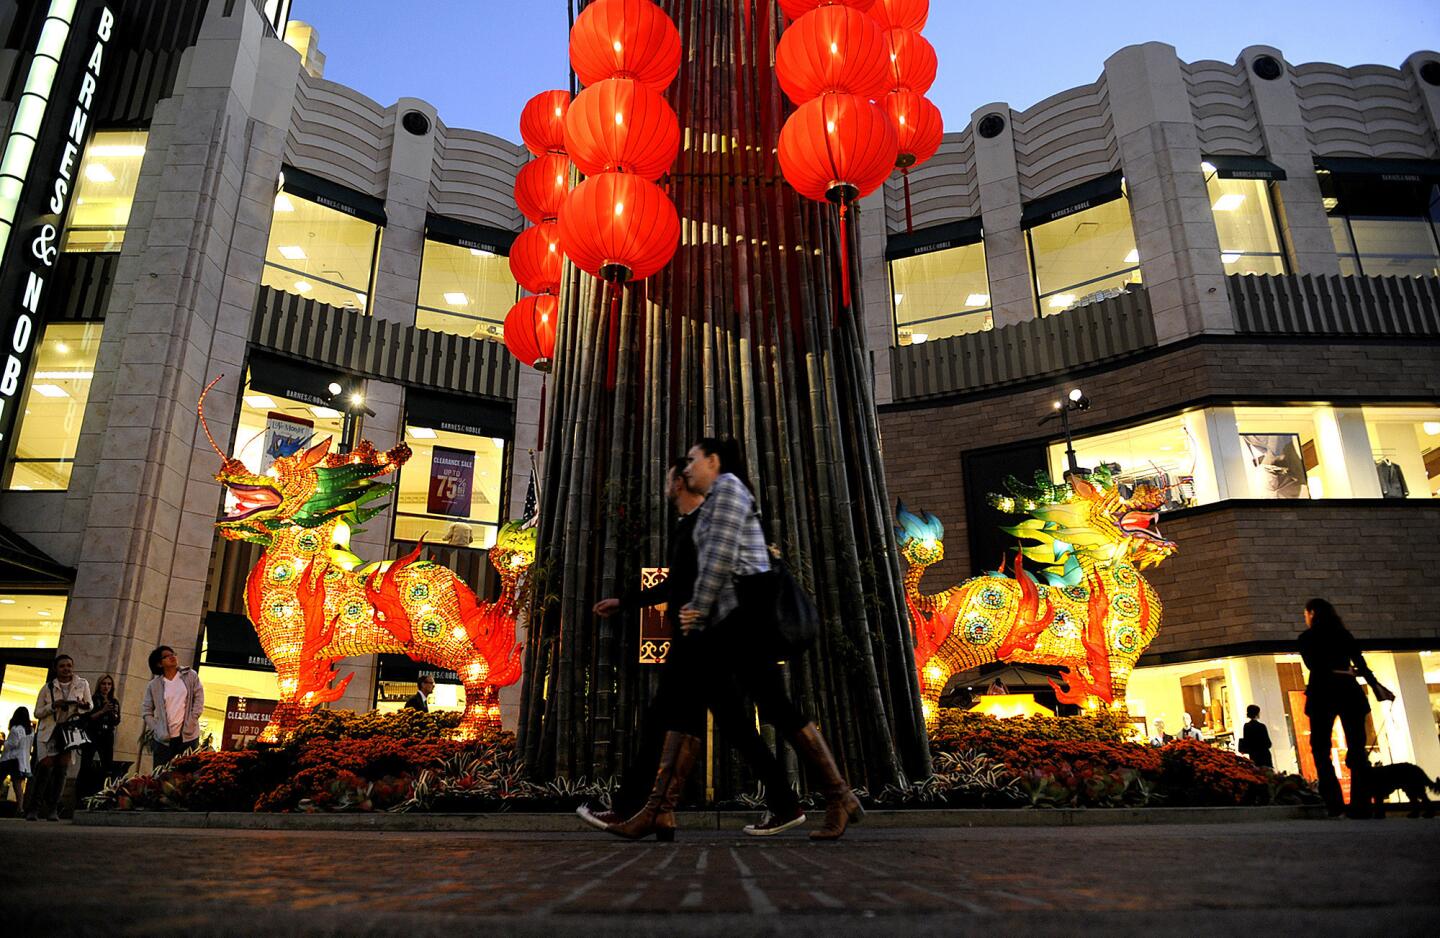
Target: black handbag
{"x": 783, "y": 615}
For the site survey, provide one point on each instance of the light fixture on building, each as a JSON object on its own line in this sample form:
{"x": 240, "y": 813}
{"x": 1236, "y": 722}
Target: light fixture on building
{"x": 457, "y": 299}
{"x": 303, "y": 286}
{"x": 1228, "y": 202}
{"x": 43, "y": 612}
{"x": 1062, "y": 301}
{"x": 334, "y": 387}
{"x": 50, "y": 390}
{"x": 421, "y": 433}
{"x": 357, "y": 399}
{"x": 62, "y": 348}
{"x": 1330, "y": 202}
{"x": 978, "y": 299}
{"x": 1133, "y": 257}
{"x": 1229, "y": 257}
{"x": 7, "y": 602}
{"x": 919, "y": 338}
{"x": 99, "y": 172}
{"x": 259, "y": 401}
{"x": 293, "y": 252}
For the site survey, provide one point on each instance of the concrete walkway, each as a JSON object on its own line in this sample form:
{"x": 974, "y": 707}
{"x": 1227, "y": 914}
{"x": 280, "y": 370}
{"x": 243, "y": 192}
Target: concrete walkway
{"x": 1283, "y": 877}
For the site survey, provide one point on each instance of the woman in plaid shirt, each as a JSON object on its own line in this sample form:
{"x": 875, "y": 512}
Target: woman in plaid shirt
{"x": 721, "y": 630}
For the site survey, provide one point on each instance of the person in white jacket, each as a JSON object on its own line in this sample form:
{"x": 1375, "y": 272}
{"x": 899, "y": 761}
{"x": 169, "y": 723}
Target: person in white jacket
{"x": 174, "y": 700}
{"x": 63, "y": 697}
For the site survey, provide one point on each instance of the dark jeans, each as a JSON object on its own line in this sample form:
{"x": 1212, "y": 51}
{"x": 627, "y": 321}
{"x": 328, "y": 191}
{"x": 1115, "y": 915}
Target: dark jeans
{"x": 716, "y": 670}
{"x": 95, "y": 761}
{"x": 168, "y": 749}
{"x": 42, "y": 795}
{"x": 1352, "y": 721}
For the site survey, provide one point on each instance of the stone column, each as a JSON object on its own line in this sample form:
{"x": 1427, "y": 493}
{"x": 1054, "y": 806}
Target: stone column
{"x": 1231, "y": 478}
{"x": 1007, "y": 258}
{"x": 1427, "y": 88}
{"x": 1407, "y": 724}
{"x": 1353, "y": 439}
{"x": 143, "y": 498}
{"x": 1169, "y": 207}
{"x": 1254, "y": 680}
{"x": 1301, "y": 211}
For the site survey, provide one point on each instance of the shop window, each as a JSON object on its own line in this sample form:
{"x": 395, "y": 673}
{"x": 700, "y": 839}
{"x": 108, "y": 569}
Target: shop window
{"x": 941, "y": 294}
{"x": 31, "y": 620}
{"x": 320, "y": 253}
{"x": 450, "y": 490}
{"x": 1163, "y": 696}
{"x": 19, "y": 687}
{"x": 224, "y": 684}
{"x": 1168, "y": 454}
{"x": 464, "y": 291}
{"x": 1245, "y": 221}
{"x": 272, "y": 425}
{"x": 1083, "y": 256}
{"x": 54, "y": 407}
{"x": 105, "y": 191}
{"x": 1405, "y": 446}
{"x": 1384, "y": 224}
{"x": 399, "y": 678}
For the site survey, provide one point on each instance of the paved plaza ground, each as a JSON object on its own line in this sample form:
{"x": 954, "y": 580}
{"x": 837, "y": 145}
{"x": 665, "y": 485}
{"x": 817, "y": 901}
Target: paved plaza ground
{"x": 1265, "y": 878}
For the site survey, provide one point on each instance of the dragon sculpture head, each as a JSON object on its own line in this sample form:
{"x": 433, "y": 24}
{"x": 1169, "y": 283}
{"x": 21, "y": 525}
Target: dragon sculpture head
{"x": 1087, "y": 524}
{"x": 921, "y": 537}
{"x": 514, "y": 547}
{"x": 307, "y": 489}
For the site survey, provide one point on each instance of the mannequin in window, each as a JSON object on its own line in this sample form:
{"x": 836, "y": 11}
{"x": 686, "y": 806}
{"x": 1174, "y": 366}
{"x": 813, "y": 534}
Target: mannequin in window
{"x": 1392, "y": 480}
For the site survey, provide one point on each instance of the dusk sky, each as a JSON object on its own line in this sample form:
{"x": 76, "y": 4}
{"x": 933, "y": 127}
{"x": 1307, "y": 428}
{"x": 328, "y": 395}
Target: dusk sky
{"x": 478, "y": 61}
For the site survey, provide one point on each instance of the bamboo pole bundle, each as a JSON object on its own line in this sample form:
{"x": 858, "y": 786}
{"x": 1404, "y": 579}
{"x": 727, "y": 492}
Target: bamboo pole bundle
{"x": 741, "y": 335}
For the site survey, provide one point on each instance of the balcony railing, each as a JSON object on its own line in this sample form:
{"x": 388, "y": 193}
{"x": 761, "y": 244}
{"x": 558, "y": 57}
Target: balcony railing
{"x": 1314, "y": 305}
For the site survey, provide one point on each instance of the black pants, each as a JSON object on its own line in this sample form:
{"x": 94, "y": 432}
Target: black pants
{"x": 95, "y": 760}
{"x": 1352, "y": 721}
{"x": 167, "y": 749}
{"x": 716, "y": 669}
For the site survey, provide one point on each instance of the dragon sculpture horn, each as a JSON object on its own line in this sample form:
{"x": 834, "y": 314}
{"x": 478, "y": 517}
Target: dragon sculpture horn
{"x": 200, "y": 411}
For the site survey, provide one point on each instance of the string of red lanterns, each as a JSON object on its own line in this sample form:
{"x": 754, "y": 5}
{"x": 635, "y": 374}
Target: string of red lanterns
{"x": 919, "y": 126}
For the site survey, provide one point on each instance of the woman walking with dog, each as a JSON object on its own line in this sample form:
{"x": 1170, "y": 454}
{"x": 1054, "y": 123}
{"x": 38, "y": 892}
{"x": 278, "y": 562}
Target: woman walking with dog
{"x": 1333, "y": 658}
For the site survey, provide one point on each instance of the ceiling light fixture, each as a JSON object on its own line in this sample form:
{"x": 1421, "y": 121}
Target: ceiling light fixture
{"x": 99, "y": 172}
{"x": 50, "y": 390}
{"x": 978, "y": 299}
{"x": 457, "y": 299}
{"x": 292, "y": 252}
{"x": 422, "y": 433}
{"x": 259, "y": 401}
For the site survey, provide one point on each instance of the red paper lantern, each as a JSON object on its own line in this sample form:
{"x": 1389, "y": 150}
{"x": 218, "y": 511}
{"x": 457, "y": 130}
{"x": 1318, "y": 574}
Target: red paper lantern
{"x": 540, "y": 186}
{"x": 620, "y": 125}
{"x": 901, "y": 14}
{"x": 530, "y": 330}
{"x": 919, "y": 128}
{"x": 838, "y": 147}
{"x": 542, "y": 122}
{"x": 834, "y": 48}
{"x": 913, "y": 62}
{"x": 625, "y": 39}
{"x": 536, "y": 260}
{"x": 798, "y": 8}
{"x": 619, "y": 227}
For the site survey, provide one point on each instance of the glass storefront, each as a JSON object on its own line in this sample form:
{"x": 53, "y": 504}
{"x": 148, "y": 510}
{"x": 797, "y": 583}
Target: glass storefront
{"x": 1083, "y": 256}
{"x": 941, "y": 294}
{"x": 320, "y": 253}
{"x": 1293, "y": 451}
{"x": 29, "y": 636}
{"x": 1215, "y": 693}
{"x": 399, "y": 678}
{"x": 272, "y": 425}
{"x": 1383, "y": 219}
{"x": 1244, "y": 216}
{"x": 109, "y": 174}
{"x": 54, "y": 407}
{"x": 450, "y": 490}
{"x": 465, "y": 291}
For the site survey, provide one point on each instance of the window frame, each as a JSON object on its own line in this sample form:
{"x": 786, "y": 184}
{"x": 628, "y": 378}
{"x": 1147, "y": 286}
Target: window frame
{"x": 1068, "y": 203}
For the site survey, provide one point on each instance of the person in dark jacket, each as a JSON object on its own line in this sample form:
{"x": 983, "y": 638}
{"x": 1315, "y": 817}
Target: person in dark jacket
{"x": 420, "y": 700}
{"x": 1333, "y": 658}
{"x": 100, "y": 723}
{"x": 674, "y": 592}
{"x": 1255, "y": 739}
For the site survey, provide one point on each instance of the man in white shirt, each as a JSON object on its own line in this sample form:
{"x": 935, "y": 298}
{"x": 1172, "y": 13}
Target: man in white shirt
{"x": 174, "y": 700}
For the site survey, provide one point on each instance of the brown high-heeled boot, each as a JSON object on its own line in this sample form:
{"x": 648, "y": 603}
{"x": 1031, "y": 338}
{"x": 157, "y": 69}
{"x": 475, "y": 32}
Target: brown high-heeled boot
{"x": 657, "y": 816}
{"x": 842, "y": 808}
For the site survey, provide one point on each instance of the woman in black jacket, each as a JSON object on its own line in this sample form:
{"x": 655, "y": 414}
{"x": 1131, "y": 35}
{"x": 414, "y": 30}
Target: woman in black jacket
{"x": 1333, "y": 659}
{"x": 100, "y": 723}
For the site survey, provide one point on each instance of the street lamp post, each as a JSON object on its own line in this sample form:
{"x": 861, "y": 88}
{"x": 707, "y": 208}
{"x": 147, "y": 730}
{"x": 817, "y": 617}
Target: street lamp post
{"x": 1078, "y": 402}
{"x": 351, "y": 405}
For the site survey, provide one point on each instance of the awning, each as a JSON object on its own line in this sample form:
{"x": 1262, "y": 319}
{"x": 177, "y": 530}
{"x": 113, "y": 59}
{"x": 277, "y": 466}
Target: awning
{"x": 1403, "y": 171}
{"x": 1072, "y": 200}
{"x": 935, "y": 238}
{"x": 468, "y": 415}
{"x": 404, "y": 669}
{"x": 1245, "y": 167}
{"x": 466, "y": 234}
{"x": 23, "y": 564}
{"x": 231, "y": 642}
{"x": 297, "y": 381}
{"x": 322, "y": 191}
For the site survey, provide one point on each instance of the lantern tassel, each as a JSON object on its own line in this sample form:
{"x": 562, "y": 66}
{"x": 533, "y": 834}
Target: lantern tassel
{"x": 905, "y": 178}
{"x": 540, "y": 440}
{"x": 844, "y": 257}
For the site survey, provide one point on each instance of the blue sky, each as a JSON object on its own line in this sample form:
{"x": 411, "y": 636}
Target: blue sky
{"x": 478, "y": 61}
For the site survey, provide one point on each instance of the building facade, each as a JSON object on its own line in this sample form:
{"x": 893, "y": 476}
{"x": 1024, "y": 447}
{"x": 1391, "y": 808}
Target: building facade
{"x": 1237, "y": 263}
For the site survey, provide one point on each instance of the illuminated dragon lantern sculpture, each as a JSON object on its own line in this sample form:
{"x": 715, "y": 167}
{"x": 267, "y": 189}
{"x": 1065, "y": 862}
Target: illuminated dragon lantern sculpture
{"x": 1090, "y": 611}
{"x": 313, "y": 602}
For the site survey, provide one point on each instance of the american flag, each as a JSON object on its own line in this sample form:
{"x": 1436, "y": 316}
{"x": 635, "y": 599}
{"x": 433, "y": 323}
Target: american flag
{"x": 531, "y": 516}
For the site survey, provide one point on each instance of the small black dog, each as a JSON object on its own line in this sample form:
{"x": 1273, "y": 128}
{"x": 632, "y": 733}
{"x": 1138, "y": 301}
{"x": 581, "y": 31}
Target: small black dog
{"x": 1381, "y": 780}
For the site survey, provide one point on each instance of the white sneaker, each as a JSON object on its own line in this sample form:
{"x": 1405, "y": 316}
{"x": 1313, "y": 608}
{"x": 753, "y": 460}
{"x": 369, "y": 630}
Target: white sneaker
{"x": 769, "y": 826}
